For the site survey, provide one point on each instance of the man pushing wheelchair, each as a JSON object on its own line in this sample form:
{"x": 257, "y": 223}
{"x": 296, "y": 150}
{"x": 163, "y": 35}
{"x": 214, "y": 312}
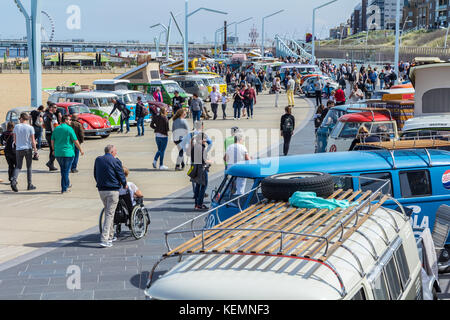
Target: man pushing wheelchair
{"x": 122, "y": 200}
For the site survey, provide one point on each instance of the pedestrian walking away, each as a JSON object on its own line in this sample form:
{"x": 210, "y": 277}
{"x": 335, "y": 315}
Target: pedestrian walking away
{"x": 7, "y": 140}
{"x": 110, "y": 177}
{"x": 318, "y": 87}
{"x": 37, "y": 121}
{"x": 79, "y": 132}
{"x": 287, "y": 126}
{"x": 215, "y": 99}
{"x": 290, "y": 87}
{"x": 141, "y": 113}
{"x": 50, "y": 123}
{"x": 196, "y": 107}
{"x": 64, "y": 141}
{"x": 200, "y": 168}
{"x": 230, "y": 140}
{"x": 160, "y": 124}
{"x": 180, "y": 129}
{"x": 277, "y": 90}
{"x": 25, "y": 145}
{"x": 124, "y": 114}
{"x": 235, "y": 153}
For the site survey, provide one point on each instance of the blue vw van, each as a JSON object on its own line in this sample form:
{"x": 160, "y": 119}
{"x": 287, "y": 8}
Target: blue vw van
{"x": 328, "y": 123}
{"x": 419, "y": 179}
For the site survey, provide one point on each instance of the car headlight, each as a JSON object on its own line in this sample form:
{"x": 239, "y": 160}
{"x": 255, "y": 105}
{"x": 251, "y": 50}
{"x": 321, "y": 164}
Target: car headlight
{"x": 85, "y": 125}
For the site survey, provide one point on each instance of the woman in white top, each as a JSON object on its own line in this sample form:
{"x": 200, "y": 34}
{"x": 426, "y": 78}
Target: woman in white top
{"x": 235, "y": 153}
{"x": 135, "y": 193}
{"x": 180, "y": 129}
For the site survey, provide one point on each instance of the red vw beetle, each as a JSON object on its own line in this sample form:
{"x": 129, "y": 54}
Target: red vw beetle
{"x": 93, "y": 125}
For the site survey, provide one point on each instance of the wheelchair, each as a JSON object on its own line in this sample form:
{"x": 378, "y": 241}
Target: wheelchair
{"x": 136, "y": 218}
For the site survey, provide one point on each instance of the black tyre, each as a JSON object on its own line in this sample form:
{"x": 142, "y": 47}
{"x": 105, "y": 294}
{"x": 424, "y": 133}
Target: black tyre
{"x": 105, "y": 136}
{"x": 281, "y": 187}
{"x": 139, "y": 223}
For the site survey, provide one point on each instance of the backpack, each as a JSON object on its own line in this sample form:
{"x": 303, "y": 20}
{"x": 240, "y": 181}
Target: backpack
{"x": 288, "y": 126}
{"x": 350, "y": 77}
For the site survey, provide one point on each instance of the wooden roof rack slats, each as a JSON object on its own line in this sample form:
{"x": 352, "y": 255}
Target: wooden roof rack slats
{"x": 301, "y": 228}
{"x": 352, "y": 229}
{"x": 250, "y": 211}
{"x": 259, "y": 235}
{"x": 235, "y": 236}
{"x": 212, "y": 235}
{"x": 311, "y": 251}
{"x": 314, "y": 228}
{"x": 288, "y": 222}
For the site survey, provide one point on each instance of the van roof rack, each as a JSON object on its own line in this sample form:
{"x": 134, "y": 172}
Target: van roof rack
{"x": 311, "y": 235}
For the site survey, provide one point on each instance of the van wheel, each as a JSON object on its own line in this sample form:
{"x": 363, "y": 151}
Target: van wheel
{"x": 105, "y": 136}
{"x": 281, "y": 187}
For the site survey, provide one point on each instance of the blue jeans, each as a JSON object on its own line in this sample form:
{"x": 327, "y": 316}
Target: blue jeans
{"x": 127, "y": 122}
{"x": 140, "y": 124}
{"x": 65, "y": 163}
{"x": 249, "y": 108}
{"x": 196, "y": 115}
{"x": 38, "y": 136}
{"x": 75, "y": 160}
{"x": 200, "y": 191}
{"x": 161, "y": 143}
{"x": 237, "y": 110}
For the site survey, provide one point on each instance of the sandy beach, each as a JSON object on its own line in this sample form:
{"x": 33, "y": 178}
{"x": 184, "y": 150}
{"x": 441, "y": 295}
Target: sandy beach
{"x": 15, "y": 88}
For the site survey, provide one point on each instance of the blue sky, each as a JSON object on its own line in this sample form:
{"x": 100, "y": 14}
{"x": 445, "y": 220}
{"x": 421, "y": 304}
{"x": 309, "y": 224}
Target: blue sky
{"x": 117, "y": 20}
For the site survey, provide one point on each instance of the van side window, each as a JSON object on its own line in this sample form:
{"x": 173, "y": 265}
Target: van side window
{"x": 360, "y": 295}
{"x": 393, "y": 279}
{"x": 380, "y": 291}
{"x": 344, "y": 182}
{"x": 415, "y": 183}
{"x": 402, "y": 265}
{"x": 367, "y": 184}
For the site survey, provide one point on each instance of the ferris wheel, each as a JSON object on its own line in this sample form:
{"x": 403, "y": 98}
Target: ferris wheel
{"x": 47, "y": 27}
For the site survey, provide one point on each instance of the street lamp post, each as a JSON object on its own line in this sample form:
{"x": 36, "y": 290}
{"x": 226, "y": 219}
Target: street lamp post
{"x": 314, "y": 28}
{"x": 446, "y": 36}
{"x": 33, "y": 26}
{"x": 397, "y": 38}
{"x": 236, "y": 31}
{"x": 186, "y": 30}
{"x": 403, "y": 29}
{"x": 262, "y": 33}
{"x": 166, "y": 30}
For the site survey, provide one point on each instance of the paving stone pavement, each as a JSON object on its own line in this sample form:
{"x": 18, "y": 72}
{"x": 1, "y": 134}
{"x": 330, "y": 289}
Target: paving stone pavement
{"x": 120, "y": 272}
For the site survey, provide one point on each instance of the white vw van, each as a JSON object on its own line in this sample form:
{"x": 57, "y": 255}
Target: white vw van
{"x": 275, "y": 251}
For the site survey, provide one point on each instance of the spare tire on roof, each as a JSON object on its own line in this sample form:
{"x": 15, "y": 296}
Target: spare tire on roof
{"x": 281, "y": 187}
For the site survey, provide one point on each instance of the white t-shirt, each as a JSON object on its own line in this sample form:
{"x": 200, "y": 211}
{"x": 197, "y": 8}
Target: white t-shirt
{"x": 215, "y": 96}
{"x": 23, "y": 134}
{"x": 291, "y": 84}
{"x": 133, "y": 189}
{"x": 236, "y": 153}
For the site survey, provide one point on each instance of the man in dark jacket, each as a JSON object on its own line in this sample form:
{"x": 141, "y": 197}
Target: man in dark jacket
{"x": 124, "y": 114}
{"x": 287, "y": 126}
{"x": 79, "y": 131}
{"x": 50, "y": 122}
{"x": 141, "y": 113}
{"x": 110, "y": 177}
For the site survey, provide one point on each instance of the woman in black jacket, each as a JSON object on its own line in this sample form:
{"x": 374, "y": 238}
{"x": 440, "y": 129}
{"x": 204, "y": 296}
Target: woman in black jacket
{"x": 7, "y": 140}
{"x": 160, "y": 124}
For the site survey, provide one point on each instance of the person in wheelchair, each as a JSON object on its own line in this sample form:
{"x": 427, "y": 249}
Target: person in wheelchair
{"x": 133, "y": 192}
{"x": 130, "y": 211}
